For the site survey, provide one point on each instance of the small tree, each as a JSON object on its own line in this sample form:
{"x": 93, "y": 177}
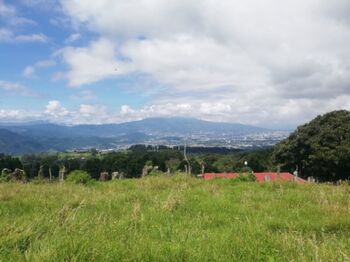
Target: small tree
{"x": 247, "y": 175}
{"x": 93, "y": 152}
{"x": 78, "y": 177}
{"x": 147, "y": 168}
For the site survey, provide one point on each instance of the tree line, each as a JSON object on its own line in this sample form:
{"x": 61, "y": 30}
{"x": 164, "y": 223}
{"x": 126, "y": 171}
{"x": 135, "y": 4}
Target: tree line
{"x": 132, "y": 162}
{"x": 320, "y": 149}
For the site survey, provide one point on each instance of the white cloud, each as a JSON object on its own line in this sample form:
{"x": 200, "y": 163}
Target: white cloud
{"x": 29, "y": 71}
{"x": 230, "y": 110}
{"x": 97, "y": 112}
{"x": 31, "y": 38}
{"x": 11, "y": 21}
{"x": 55, "y": 110}
{"x": 10, "y": 115}
{"x": 126, "y": 110}
{"x": 249, "y": 61}
{"x": 92, "y": 63}
{"x": 84, "y": 114}
{"x": 6, "y": 10}
{"x": 72, "y": 38}
{"x": 16, "y": 88}
{"x": 9, "y": 86}
{"x": 7, "y": 35}
{"x": 9, "y": 15}
{"x": 287, "y": 114}
{"x": 87, "y": 95}
{"x": 215, "y": 108}
{"x": 194, "y": 62}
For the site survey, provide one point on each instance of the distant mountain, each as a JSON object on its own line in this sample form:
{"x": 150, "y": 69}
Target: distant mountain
{"x": 41, "y": 136}
{"x": 175, "y": 125}
{"x": 181, "y": 126}
{"x": 13, "y": 143}
{"x": 41, "y": 130}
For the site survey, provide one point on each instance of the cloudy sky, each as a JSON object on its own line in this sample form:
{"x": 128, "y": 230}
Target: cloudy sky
{"x": 263, "y": 62}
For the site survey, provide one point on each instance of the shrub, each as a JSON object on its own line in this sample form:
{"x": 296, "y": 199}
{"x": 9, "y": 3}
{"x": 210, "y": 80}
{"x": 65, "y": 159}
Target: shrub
{"x": 4, "y": 179}
{"x": 78, "y": 177}
{"x": 246, "y": 177}
{"x": 5, "y": 175}
{"x": 156, "y": 173}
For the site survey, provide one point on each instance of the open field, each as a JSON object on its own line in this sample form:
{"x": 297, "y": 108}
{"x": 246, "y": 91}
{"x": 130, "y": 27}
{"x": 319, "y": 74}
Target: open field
{"x": 174, "y": 219}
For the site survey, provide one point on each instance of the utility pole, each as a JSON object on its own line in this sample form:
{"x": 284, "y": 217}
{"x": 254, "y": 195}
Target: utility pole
{"x": 188, "y": 166}
{"x": 202, "y": 167}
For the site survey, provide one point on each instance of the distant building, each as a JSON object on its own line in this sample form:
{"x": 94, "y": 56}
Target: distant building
{"x": 260, "y": 177}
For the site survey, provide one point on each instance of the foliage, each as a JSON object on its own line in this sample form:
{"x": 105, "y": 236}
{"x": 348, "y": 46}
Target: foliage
{"x": 78, "y": 177}
{"x": 5, "y": 175}
{"x": 9, "y": 162}
{"x": 93, "y": 152}
{"x": 195, "y": 166}
{"x": 320, "y": 148}
{"x": 48, "y": 161}
{"x": 92, "y": 166}
{"x": 174, "y": 219}
{"x": 132, "y": 162}
{"x": 173, "y": 164}
{"x": 246, "y": 177}
{"x": 156, "y": 173}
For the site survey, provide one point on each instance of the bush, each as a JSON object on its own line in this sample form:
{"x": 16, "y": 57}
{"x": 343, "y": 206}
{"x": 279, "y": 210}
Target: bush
{"x": 5, "y": 175}
{"x": 78, "y": 177}
{"x": 4, "y": 179}
{"x": 246, "y": 177}
{"x": 156, "y": 173}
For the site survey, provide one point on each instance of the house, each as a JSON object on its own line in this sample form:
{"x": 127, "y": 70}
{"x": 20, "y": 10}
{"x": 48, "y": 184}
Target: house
{"x": 260, "y": 176}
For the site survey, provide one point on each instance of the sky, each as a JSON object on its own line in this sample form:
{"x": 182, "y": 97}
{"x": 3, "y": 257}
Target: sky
{"x": 268, "y": 63}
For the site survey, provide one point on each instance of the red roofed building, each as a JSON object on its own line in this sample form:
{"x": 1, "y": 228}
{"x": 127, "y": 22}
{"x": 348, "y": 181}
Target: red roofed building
{"x": 260, "y": 177}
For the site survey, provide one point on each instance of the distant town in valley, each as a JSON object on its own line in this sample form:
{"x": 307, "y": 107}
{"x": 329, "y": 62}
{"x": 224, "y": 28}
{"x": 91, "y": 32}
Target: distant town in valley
{"x": 34, "y": 137}
{"x": 200, "y": 140}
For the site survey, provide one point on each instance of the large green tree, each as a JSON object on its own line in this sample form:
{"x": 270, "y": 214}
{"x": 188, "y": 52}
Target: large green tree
{"x": 320, "y": 148}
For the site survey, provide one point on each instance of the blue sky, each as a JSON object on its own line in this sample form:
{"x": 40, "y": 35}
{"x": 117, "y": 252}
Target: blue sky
{"x": 255, "y": 62}
{"x": 39, "y": 54}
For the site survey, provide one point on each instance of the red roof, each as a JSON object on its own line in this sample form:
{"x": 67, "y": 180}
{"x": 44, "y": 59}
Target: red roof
{"x": 260, "y": 177}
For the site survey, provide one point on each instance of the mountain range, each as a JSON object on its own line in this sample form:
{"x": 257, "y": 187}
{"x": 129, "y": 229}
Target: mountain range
{"x": 43, "y": 136}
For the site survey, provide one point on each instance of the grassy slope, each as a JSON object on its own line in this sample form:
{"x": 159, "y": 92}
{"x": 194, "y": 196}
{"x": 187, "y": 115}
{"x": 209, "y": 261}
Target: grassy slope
{"x": 174, "y": 219}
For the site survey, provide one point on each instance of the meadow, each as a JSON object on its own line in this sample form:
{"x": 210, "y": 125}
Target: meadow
{"x": 174, "y": 219}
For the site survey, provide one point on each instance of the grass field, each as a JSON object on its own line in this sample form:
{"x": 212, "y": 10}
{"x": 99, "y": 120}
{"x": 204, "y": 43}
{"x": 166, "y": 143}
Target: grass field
{"x": 174, "y": 219}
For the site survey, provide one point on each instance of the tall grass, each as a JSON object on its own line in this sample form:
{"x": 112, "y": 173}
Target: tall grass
{"x": 174, "y": 219}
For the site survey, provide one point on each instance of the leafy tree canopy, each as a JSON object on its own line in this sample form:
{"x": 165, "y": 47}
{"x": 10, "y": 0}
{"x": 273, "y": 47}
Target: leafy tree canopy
{"x": 320, "y": 148}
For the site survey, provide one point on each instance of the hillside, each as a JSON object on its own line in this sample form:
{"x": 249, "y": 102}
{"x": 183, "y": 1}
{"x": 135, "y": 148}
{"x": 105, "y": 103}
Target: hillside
{"x": 13, "y": 143}
{"x": 175, "y": 125}
{"x": 174, "y": 219}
